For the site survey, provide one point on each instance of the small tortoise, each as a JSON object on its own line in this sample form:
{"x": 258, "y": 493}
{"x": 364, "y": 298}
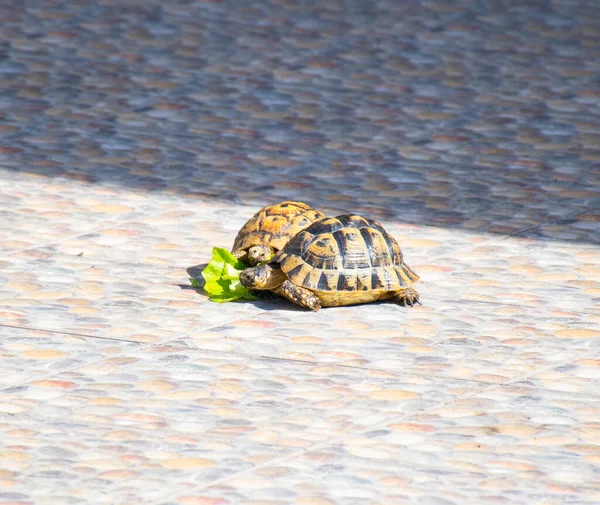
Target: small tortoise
{"x": 341, "y": 260}
{"x": 270, "y": 229}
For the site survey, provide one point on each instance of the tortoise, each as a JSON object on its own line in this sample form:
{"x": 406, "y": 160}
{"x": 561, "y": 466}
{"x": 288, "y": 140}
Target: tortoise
{"x": 341, "y": 260}
{"x": 270, "y": 229}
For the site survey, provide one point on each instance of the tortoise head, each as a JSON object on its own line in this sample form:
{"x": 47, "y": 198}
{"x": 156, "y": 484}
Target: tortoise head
{"x": 262, "y": 277}
{"x": 259, "y": 253}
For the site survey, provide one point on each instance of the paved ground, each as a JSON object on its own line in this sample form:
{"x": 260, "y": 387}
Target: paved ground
{"x": 137, "y": 135}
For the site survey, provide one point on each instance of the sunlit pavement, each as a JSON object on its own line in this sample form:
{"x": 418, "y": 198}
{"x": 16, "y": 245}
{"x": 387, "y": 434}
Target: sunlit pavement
{"x": 135, "y": 136}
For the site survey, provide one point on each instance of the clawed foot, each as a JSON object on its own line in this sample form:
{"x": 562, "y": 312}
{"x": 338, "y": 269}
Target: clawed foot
{"x": 313, "y": 304}
{"x": 408, "y": 298}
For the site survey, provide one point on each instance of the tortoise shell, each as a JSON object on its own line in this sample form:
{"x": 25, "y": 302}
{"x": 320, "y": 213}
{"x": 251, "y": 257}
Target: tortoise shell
{"x": 275, "y": 225}
{"x": 348, "y": 254}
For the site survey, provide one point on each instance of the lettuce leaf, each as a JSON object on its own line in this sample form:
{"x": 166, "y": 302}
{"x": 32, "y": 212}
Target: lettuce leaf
{"x": 222, "y": 278}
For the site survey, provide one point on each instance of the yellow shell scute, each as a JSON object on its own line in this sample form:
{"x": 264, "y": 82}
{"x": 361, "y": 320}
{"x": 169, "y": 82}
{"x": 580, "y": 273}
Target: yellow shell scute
{"x": 275, "y": 225}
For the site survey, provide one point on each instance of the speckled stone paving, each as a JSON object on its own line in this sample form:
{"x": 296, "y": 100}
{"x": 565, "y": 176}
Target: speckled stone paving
{"x": 135, "y": 136}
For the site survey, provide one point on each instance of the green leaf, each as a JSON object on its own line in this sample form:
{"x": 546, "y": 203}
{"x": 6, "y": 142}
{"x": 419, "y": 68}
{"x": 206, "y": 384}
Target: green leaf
{"x": 212, "y": 272}
{"x": 222, "y": 276}
{"x": 230, "y": 273}
{"x": 222, "y": 299}
{"x": 217, "y": 287}
{"x": 249, "y": 296}
{"x": 219, "y": 254}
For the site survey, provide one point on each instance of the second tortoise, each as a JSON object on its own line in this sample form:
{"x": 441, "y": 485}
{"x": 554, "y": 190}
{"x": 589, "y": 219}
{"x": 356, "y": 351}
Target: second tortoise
{"x": 270, "y": 229}
{"x": 341, "y": 260}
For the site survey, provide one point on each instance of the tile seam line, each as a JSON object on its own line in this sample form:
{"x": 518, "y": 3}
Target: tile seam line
{"x": 566, "y": 216}
{"x": 364, "y": 368}
{"x": 336, "y": 440}
{"x": 293, "y": 455}
{"x": 384, "y": 370}
{"x": 305, "y": 364}
{"x": 70, "y": 333}
{"x": 212, "y": 437}
{"x": 208, "y": 351}
{"x": 484, "y": 386}
{"x": 71, "y": 369}
{"x": 529, "y": 376}
{"x": 339, "y": 439}
{"x": 311, "y": 448}
{"x": 170, "y": 342}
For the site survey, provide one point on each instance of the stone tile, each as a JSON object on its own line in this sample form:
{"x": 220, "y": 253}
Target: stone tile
{"x": 37, "y": 211}
{"x": 504, "y": 445}
{"x": 558, "y": 277}
{"x": 334, "y": 478}
{"x": 31, "y": 355}
{"x": 60, "y": 461}
{"x": 185, "y": 235}
{"x": 134, "y": 139}
{"x": 579, "y": 376}
{"x": 90, "y": 296}
{"x": 583, "y": 227}
{"x": 228, "y": 396}
{"x": 476, "y": 341}
{"x": 178, "y": 237}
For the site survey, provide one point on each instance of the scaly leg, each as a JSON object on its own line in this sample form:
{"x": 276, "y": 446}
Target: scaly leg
{"x": 301, "y": 296}
{"x": 407, "y": 297}
{"x": 241, "y": 254}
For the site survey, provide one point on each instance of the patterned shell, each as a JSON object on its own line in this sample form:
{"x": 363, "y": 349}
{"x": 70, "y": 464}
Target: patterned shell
{"x": 275, "y": 225}
{"x": 345, "y": 253}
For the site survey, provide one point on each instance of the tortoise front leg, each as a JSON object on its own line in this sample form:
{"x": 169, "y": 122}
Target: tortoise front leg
{"x": 407, "y": 297}
{"x": 301, "y": 296}
{"x": 241, "y": 254}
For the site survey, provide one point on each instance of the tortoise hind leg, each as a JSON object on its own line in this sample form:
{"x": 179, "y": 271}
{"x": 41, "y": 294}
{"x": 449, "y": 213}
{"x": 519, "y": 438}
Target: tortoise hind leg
{"x": 407, "y": 297}
{"x": 301, "y": 296}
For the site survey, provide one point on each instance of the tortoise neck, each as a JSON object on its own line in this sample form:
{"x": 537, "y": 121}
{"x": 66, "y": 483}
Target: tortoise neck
{"x": 275, "y": 277}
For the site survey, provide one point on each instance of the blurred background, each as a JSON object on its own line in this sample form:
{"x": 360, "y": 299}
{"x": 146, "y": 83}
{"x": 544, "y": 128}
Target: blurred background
{"x": 477, "y": 115}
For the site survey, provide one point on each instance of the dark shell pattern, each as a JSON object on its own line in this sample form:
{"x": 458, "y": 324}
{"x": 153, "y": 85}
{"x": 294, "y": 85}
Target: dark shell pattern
{"x": 345, "y": 253}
